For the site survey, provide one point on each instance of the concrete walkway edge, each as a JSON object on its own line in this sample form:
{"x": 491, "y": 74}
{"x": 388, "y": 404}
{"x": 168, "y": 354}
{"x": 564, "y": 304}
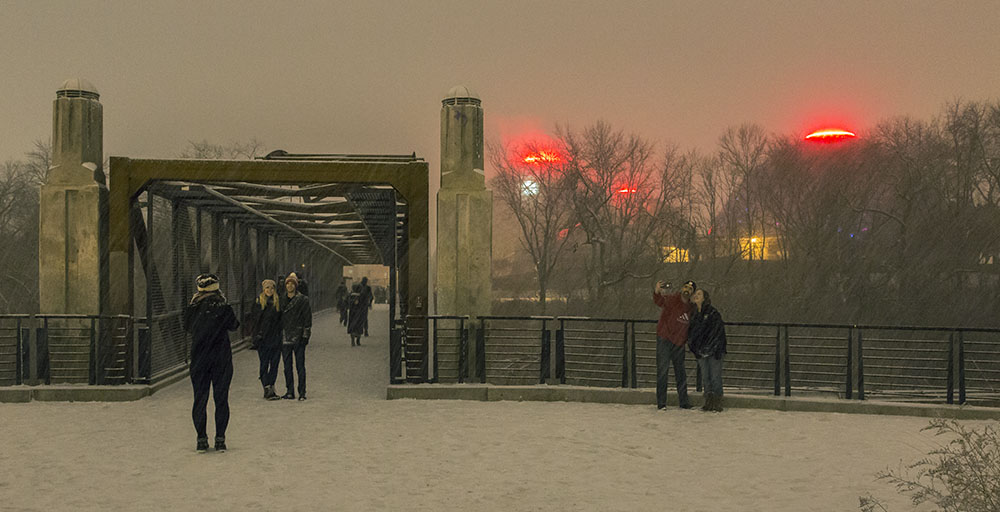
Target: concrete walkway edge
{"x": 563, "y": 393}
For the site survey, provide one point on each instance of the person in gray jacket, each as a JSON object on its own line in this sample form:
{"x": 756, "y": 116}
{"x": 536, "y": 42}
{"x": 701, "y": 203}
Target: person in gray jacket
{"x": 296, "y": 322}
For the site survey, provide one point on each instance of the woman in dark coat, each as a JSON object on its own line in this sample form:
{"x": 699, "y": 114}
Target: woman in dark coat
{"x": 707, "y": 340}
{"x": 357, "y": 314}
{"x": 267, "y": 336}
{"x": 208, "y": 318}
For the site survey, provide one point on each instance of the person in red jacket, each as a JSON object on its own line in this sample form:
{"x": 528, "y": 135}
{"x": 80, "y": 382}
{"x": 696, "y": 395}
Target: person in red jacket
{"x": 671, "y": 336}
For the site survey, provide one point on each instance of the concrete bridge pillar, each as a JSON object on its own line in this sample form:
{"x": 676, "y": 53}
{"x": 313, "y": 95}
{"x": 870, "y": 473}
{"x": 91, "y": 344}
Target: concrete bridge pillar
{"x": 464, "y": 210}
{"x": 72, "y": 228}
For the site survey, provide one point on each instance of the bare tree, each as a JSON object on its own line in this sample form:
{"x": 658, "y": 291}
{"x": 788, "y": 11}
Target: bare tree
{"x": 19, "y": 231}
{"x": 625, "y": 202}
{"x": 538, "y": 192}
{"x": 742, "y": 153}
{"x": 233, "y": 151}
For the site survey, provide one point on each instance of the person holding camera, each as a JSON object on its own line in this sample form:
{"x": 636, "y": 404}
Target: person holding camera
{"x": 671, "y": 336}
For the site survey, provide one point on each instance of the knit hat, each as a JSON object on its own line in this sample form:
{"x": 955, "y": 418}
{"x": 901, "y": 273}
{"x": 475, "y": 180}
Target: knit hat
{"x": 208, "y": 283}
{"x": 291, "y": 277}
{"x": 693, "y": 286}
{"x": 266, "y": 282}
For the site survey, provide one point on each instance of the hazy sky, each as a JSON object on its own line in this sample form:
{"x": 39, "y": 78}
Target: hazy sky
{"x": 368, "y": 76}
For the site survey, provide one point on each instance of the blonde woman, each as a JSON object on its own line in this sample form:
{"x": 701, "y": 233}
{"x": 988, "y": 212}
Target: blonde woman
{"x": 267, "y": 336}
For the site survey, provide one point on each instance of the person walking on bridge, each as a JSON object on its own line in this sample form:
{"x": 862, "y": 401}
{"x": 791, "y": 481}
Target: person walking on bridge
{"x": 367, "y": 299}
{"x": 671, "y": 336}
{"x": 208, "y": 318}
{"x": 267, "y": 336}
{"x": 342, "y": 295}
{"x": 296, "y": 322}
{"x": 357, "y": 314}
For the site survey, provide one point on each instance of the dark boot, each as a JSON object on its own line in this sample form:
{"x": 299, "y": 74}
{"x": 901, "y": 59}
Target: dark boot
{"x": 220, "y": 444}
{"x": 290, "y": 395}
{"x": 709, "y": 402}
{"x": 717, "y": 405}
{"x": 202, "y": 445}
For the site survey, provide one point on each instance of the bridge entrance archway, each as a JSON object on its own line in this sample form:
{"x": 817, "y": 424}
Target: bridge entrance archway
{"x": 247, "y": 220}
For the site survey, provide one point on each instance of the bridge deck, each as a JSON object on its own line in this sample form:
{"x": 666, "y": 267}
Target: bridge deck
{"x": 347, "y": 448}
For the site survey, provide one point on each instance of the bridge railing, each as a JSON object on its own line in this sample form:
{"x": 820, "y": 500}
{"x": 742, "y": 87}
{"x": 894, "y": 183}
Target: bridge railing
{"x": 87, "y": 349}
{"x": 846, "y": 360}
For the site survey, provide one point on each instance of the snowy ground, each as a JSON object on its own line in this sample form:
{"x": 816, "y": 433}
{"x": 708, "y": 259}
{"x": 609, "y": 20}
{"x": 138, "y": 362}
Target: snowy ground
{"x": 347, "y": 448}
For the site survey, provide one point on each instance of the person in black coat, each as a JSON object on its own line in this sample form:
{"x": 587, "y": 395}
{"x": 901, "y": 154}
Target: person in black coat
{"x": 367, "y": 298}
{"x": 208, "y": 318}
{"x": 707, "y": 340}
{"x": 357, "y": 314}
{"x": 266, "y": 336}
{"x": 296, "y": 322}
{"x": 342, "y": 295}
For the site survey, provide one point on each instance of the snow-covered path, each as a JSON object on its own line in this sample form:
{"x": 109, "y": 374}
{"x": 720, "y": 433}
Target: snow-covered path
{"x": 347, "y": 448}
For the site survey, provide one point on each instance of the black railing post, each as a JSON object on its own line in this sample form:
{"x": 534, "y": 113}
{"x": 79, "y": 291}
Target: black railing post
{"x": 424, "y": 346}
{"x": 434, "y": 325}
{"x": 546, "y": 355}
{"x": 961, "y": 367}
{"x": 777, "y": 361}
{"x": 788, "y": 365}
{"x": 92, "y": 373}
{"x": 951, "y": 368}
{"x": 129, "y": 350}
{"x": 625, "y": 354}
{"x": 395, "y": 354}
{"x": 561, "y": 352}
{"x": 481, "y": 351}
{"x": 145, "y": 370}
{"x": 17, "y": 353}
{"x": 635, "y": 378}
{"x": 463, "y": 350}
{"x": 861, "y": 366}
{"x": 42, "y": 342}
{"x": 850, "y": 363}
{"x": 25, "y": 334}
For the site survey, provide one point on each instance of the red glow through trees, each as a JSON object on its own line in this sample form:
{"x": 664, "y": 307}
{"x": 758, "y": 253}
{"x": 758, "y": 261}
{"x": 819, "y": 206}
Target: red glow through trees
{"x": 542, "y": 156}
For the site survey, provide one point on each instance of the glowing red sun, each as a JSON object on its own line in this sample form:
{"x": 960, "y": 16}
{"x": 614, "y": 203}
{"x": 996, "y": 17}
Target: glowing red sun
{"x": 830, "y": 135}
{"x": 542, "y": 157}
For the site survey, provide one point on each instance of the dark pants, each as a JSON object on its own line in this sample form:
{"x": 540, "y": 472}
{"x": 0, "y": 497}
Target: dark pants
{"x": 299, "y": 351}
{"x": 343, "y": 314}
{"x": 711, "y": 375}
{"x": 269, "y": 358}
{"x": 217, "y": 377}
{"x": 666, "y": 354}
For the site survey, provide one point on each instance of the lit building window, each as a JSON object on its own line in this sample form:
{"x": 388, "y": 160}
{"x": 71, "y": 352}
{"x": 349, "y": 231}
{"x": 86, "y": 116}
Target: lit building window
{"x": 673, "y": 254}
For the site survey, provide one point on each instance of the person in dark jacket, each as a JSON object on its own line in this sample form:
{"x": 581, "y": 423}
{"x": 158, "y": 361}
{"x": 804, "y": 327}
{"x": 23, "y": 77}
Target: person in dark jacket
{"x": 296, "y": 322}
{"x": 341, "y": 295}
{"x": 357, "y": 314}
{"x": 671, "y": 336}
{"x": 208, "y": 318}
{"x": 367, "y": 298}
{"x": 707, "y": 340}
{"x": 266, "y": 336}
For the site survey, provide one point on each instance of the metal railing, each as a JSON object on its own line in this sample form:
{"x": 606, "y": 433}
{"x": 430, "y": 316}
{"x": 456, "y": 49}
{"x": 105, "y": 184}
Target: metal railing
{"x": 81, "y": 349}
{"x": 851, "y": 361}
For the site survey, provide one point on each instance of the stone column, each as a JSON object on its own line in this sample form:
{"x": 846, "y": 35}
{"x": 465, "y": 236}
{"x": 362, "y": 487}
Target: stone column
{"x": 72, "y": 227}
{"x": 464, "y": 210}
